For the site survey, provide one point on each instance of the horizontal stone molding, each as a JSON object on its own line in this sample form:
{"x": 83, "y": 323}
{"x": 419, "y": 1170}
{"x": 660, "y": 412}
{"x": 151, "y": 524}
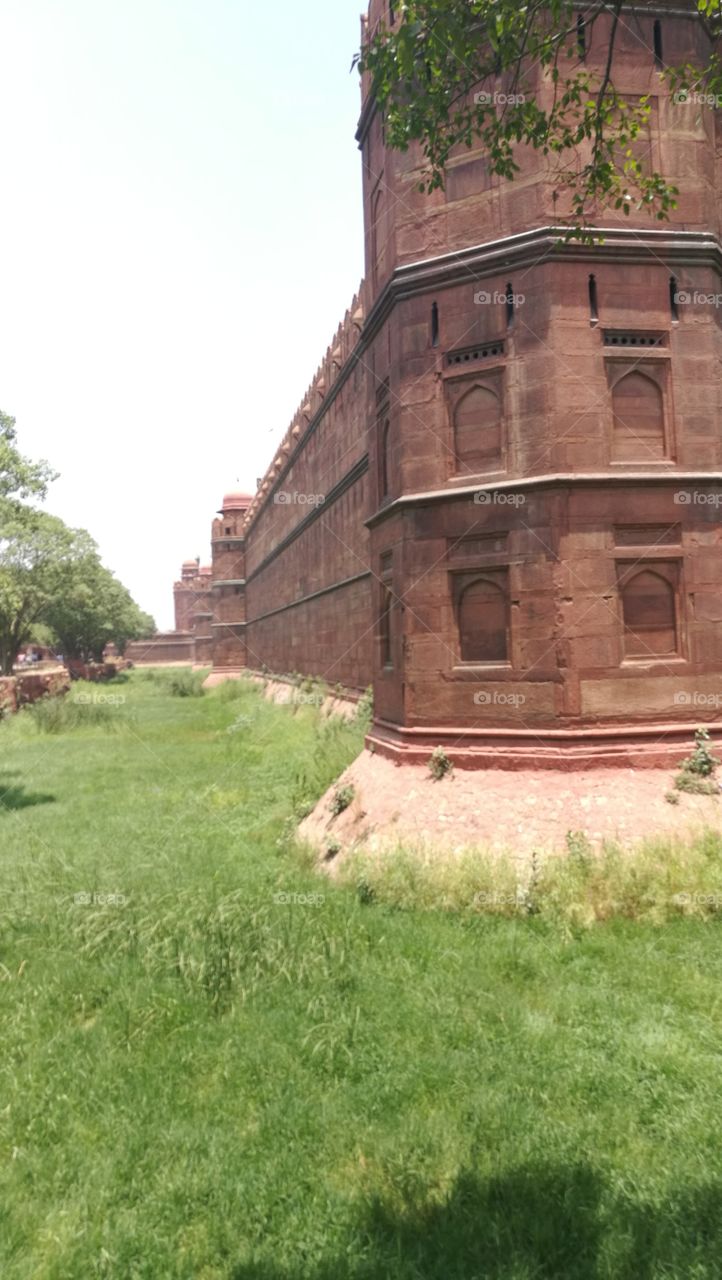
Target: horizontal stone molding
{"x": 357, "y": 471}
{"x": 650, "y": 746}
{"x": 558, "y": 479}
{"x": 529, "y": 248}
{"x": 313, "y": 595}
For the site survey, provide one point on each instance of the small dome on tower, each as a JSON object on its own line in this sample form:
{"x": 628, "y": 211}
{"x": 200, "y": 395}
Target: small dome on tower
{"x": 236, "y": 501}
{"x": 189, "y": 569}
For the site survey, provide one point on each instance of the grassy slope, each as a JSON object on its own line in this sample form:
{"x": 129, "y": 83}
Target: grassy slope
{"x": 205, "y": 1082}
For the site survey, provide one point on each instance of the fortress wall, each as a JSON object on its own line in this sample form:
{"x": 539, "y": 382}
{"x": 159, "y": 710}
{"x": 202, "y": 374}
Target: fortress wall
{"x": 498, "y": 501}
{"x": 329, "y": 636}
{"x": 308, "y": 581}
{"x": 169, "y": 646}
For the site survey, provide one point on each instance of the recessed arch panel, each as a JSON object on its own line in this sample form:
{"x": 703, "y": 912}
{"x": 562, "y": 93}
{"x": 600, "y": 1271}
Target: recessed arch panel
{"x": 483, "y": 622}
{"x": 478, "y": 431}
{"x": 638, "y": 408}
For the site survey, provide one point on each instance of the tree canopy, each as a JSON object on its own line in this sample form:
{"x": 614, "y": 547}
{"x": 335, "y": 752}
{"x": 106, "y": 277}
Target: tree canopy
{"x": 51, "y": 575}
{"x": 37, "y": 552}
{"x": 19, "y": 477}
{"x": 93, "y": 609}
{"x": 450, "y": 72}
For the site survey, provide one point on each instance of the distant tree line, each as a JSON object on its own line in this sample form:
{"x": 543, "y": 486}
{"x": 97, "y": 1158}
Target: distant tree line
{"x": 53, "y": 585}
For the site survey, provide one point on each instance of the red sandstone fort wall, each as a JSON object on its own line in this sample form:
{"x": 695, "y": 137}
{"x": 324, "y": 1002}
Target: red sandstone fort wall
{"x": 308, "y": 580}
{"x": 593, "y": 454}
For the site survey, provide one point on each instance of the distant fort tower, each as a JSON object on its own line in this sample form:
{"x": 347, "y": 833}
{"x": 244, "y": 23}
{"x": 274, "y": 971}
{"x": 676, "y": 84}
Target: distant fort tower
{"x": 228, "y": 627}
{"x": 192, "y": 640}
{"x": 499, "y": 499}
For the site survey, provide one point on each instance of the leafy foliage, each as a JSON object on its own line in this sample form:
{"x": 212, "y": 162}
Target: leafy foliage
{"x": 439, "y": 764}
{"x": 451, "y": 73}
{"x": 19, "y": 478}
{"x": 93, "y": 609}
{"x": 51, "y": 577}
{"x": 701, "y": 762}
{"x": 37, "y": 555}
{"x": 341, "y": 799}
{"x": 186, "y": 684}
{"x": 695, "y": 772}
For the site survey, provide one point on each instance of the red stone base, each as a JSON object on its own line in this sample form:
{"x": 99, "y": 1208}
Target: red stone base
{"x": 652, "y": 746}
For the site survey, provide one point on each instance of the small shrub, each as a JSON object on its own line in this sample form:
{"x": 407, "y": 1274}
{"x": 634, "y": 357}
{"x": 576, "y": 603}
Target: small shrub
{"x": 439, "y": 764}
{"x": 695, "y": 772}
{"x": 695, "y": 785}
{"x": 701, "y": 761}
{"x": 579, "y": 848}
{"x": 186, "y": 684}
{"x": 341, "y": 799}
{"x": 672, "y": 797}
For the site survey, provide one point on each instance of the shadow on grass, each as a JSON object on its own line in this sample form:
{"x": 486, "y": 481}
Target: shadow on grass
{"x": 535, "y": 1223}
{"x": 14, "y": 796}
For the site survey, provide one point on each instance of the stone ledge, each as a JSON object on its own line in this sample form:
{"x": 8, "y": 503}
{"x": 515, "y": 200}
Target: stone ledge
{"x": 651, "y": 746}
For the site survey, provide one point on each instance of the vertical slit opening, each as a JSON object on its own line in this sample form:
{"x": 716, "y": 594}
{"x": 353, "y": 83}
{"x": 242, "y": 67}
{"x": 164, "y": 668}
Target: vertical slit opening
{"x": 509, "y": 305}
{"x": 657, "y": 39}
{"x": 593, "y": 303}
{"x": 434, "y": 324}
{"x": 674, "y": 312}
{"x": 581, "y": 36}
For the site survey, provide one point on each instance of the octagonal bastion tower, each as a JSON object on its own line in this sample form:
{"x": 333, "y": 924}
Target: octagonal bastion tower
{"x": 517, "y": 444}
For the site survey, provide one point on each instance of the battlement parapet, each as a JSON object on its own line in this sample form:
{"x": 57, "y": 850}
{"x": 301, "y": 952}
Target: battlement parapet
{"x": 337, "y": 356}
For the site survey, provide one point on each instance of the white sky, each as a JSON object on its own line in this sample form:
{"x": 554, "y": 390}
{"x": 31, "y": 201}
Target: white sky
{"x": 180, "y": 233}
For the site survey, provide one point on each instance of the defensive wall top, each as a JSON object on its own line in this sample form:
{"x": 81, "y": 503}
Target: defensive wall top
{"x": 338, "y": 352}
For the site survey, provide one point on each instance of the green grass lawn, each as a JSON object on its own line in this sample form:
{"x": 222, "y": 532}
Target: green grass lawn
{"x": 216, "y": 1065}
